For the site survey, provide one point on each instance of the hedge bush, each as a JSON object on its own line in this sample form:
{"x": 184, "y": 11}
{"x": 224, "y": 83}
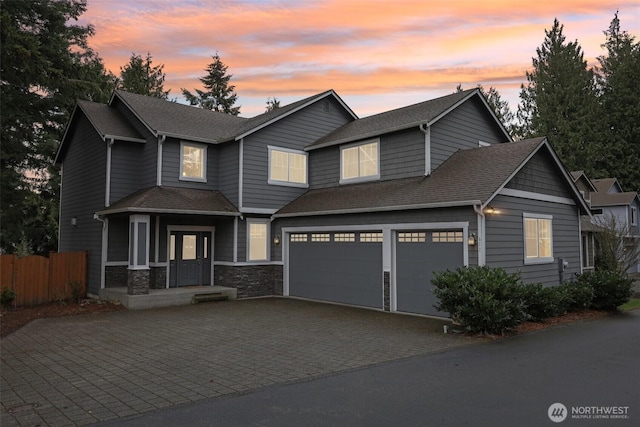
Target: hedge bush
{"x": 542, "y": 302}
{"x": 577, "y": 295}
{"x": 610, "y": 288}
{"x": 480, "y": 298}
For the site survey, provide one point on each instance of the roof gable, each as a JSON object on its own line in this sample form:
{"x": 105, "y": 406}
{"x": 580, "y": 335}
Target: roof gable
{"x": 607, "y": 185}
{"x": 427, "y": 112}
{"x": 581, "y": 177}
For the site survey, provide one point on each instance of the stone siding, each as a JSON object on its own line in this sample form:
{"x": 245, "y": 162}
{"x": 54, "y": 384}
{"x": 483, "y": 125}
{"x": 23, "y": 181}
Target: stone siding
{"x": 116, "y": 276}
{"x": 158, "y": 278}
{"x": 387, "y": 291}
{"x": 138, "y": 282}
{"x": 250, "y": 280}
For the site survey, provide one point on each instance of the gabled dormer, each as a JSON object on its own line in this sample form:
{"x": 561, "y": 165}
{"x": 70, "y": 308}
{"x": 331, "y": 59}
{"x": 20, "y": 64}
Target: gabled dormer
{"x": 584, "y": 184}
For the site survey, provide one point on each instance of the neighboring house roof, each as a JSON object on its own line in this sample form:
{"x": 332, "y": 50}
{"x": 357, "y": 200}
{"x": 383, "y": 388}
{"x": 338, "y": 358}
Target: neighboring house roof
{"x": 174, "y": 200}
{"x": 468, "y": 177}
{"x": 613, "y": 199}
{"x": 577, "y": 175}
{"x": 427, "y": 112}
{"x": 107, "y": 121}
{"x": 586, "y": 226}
{"x": 604, "y": 185}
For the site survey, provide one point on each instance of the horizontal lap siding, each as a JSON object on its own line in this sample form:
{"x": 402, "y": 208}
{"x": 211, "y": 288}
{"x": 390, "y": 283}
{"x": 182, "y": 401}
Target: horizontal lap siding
{"x": 324, "y": 167}
{"x": 402, "y": 154}
{"x": 294, "y": 132}
{"x": 118, "y": 244}
{"x": 461, "y": 129}
{"x": 505, "y": 239}
{"x": 229, "y": 170}
{"x": 83, "y": 194}
{"x": 125, "y": 169}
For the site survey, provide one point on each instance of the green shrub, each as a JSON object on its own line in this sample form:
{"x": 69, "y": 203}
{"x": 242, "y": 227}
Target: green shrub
{"x": 541, "y": 303}
{"x": 482, "y": 299}
{"x": 577, "y": 295}
{"x": 7, "y": 296}
{"x": 610, "y": 288}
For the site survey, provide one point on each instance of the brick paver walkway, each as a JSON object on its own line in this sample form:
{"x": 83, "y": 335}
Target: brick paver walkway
{"x": 86, "y": 369}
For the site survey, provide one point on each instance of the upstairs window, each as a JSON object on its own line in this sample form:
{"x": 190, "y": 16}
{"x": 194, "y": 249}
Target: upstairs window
{"x": 193, "y": 164}
{"x": 538, "y": 239}
{"x": 287, "y": 167}
{"x": 360, "y": 162}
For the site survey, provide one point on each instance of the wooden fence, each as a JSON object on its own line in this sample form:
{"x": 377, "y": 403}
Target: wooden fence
{"x": 38, "y": 280}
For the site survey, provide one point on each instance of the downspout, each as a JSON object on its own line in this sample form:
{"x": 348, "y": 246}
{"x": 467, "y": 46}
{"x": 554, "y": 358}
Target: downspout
{"x": 481, "y": 235}
{"x": 107, "y": 191}
{"x": 426, "y": 129}
{"x": 105, "y": 247}
{"x": 161, "y": 139}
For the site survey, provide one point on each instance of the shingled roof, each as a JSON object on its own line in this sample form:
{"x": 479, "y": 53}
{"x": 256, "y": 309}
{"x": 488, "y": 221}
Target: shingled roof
{"x": 398, "y": 119}
{"x": 603, "y": 185}
{"x": 612, "y": 199}
{"x": 468, "y": 177}
{"x": 174, "y": 200}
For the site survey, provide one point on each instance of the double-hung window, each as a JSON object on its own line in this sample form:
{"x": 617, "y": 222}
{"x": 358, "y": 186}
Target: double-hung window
{"x": 193, "y": 162}
{"x": 360, "y": 162}
{"x": 538, "y": 238}
{"x": 287, "y": 167}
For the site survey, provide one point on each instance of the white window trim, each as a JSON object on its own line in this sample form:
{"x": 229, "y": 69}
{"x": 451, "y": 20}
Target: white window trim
{"x": 134, "y": 263}
{"x": 204, "y": 162}
{"x": 538, "y": 260}
{"x": 483, "y": 144}
{"x": 360, "y": 178}
{"x": 268, "y": 239}
{"x": 288, "y": 183}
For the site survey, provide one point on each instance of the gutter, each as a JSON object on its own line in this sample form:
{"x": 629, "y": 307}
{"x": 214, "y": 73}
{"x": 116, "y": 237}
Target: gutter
{"x": 482, "y": 258}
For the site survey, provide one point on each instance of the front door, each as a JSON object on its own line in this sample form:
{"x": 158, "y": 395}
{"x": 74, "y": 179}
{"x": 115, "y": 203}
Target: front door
{"x": 189, "y": 258}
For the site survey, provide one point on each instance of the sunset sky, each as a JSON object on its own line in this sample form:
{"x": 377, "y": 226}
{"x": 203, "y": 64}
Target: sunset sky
{"x": 377, "y": 55}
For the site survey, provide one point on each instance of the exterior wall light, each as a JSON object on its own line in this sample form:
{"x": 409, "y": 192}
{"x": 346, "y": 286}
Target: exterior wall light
{"x": 74, "y": 221}
{"x": 490, "y": 210}
{"x": 472, "y": 239}
{"x": 276, "y": 240}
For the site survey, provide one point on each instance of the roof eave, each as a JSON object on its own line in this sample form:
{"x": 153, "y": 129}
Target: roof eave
{"x": 165, "y": 211}
{"x": 382, "y": 209}
{"x": 367, "y": 135}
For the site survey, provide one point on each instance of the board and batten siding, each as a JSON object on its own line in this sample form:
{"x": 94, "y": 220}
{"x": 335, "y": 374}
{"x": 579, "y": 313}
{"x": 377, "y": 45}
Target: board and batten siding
{"x": 171, "y": 161}
{"x": 461, "y": 129}
{"x": 296, "y": 132}
{"x": 83, "y": 194}
{"x": 541, "y": 176}
{"x": 505, "y": 238}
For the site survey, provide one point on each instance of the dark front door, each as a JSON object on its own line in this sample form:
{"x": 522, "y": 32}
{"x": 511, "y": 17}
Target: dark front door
{"x": 190, "y": 262}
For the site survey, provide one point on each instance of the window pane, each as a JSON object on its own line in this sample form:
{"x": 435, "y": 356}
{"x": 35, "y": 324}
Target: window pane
{"x": 369, "y": 159}
{"x": 279, "y": 165}
{"x": 544, "y": 237}
{"x": 205, "y": 250}
{"x": 298, "y": 168}
{"x": 531, "y": 237}
{"x": 257, "y": 242}
{"x": 192, "y": 161}
{"x": 189, "y": 247}
{"x": 350, "y": 163}
{"x": 172, "y": 248}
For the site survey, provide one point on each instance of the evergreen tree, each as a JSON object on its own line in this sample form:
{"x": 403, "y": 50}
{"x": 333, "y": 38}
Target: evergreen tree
{"x": 139, "y": 76}
{"x": 620, "y": 98}
{"x": 45, "y": 65}
{"x": 272, "y": 104}
{"x": 559, "y": 102}
{"x": 219, "y": 95}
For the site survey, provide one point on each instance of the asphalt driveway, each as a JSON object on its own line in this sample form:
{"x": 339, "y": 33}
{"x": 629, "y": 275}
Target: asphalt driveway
{"x": 86, "y": 369}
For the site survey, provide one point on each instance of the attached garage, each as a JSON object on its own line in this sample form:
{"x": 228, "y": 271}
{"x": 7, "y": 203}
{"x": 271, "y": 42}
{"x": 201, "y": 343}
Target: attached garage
{"x": 344, "y": 267}
{"x": 418, "y": 255}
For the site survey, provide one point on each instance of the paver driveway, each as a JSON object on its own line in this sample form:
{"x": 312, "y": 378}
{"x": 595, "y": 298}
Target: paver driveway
{"x": 84, "y": 369}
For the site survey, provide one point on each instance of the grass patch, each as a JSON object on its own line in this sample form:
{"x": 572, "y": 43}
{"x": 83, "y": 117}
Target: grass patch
{"x": 632, "y": 304}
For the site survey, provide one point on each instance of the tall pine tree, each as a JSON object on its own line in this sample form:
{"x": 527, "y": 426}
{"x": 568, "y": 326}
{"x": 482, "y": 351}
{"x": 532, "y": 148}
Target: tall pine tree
{"x": 620, "y": 98}
{"x": 140, "y": 77}
{"x": 219, "y": 94}
{"x": 559, "y": 102}
{"x": 46, "y": 65}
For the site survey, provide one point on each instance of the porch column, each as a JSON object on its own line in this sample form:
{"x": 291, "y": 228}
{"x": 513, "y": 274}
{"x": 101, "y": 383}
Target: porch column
{"x": 138, "y": 269}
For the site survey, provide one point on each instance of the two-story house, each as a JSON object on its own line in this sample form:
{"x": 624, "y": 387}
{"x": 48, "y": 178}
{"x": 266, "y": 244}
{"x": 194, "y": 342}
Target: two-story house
{"x": 311, "y": 201}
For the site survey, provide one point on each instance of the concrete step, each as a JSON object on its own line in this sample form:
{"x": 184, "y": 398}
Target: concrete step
{"x": 208, "y": 297}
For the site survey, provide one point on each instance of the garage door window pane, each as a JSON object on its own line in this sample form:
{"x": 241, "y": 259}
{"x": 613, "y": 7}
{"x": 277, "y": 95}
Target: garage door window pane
{"x": 371, "y": 237}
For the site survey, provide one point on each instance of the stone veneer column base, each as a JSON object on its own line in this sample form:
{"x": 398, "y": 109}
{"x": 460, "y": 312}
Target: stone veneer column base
{"x": 250, "y": 280}
{"x": 116, "y": 276}
{"x": 138, "y": 282}
{"x": 387, "y": 291}
{"x": 158, "y": 278}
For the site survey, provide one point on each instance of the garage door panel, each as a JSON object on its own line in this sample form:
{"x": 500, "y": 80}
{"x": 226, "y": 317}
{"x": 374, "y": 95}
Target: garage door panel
{"x": 415, "y": 264}
{"x": 345, "y": 272}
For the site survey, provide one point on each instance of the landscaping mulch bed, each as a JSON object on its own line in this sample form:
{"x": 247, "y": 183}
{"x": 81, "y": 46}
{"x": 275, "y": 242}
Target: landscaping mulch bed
{"x": 13, "y": 318}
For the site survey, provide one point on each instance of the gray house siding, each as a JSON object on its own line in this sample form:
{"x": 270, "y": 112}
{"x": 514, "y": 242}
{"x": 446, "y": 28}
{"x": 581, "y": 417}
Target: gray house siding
{"x": 324, "y": 167}
{"x": 538, "y": 176}
{"x": 125, "y": 169}
{"x": 83, "y": 193}
{"x": 402, "y": 154}
{"x": 461, "y": 129}
{"x": 293, "y": 132}
{"x": 118, "y": 242}
{"x": 505, "y": 239}
{"x": 171, "y": 166}
{"x": 228, "y": 168}
{"x": 223, "y": 240}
